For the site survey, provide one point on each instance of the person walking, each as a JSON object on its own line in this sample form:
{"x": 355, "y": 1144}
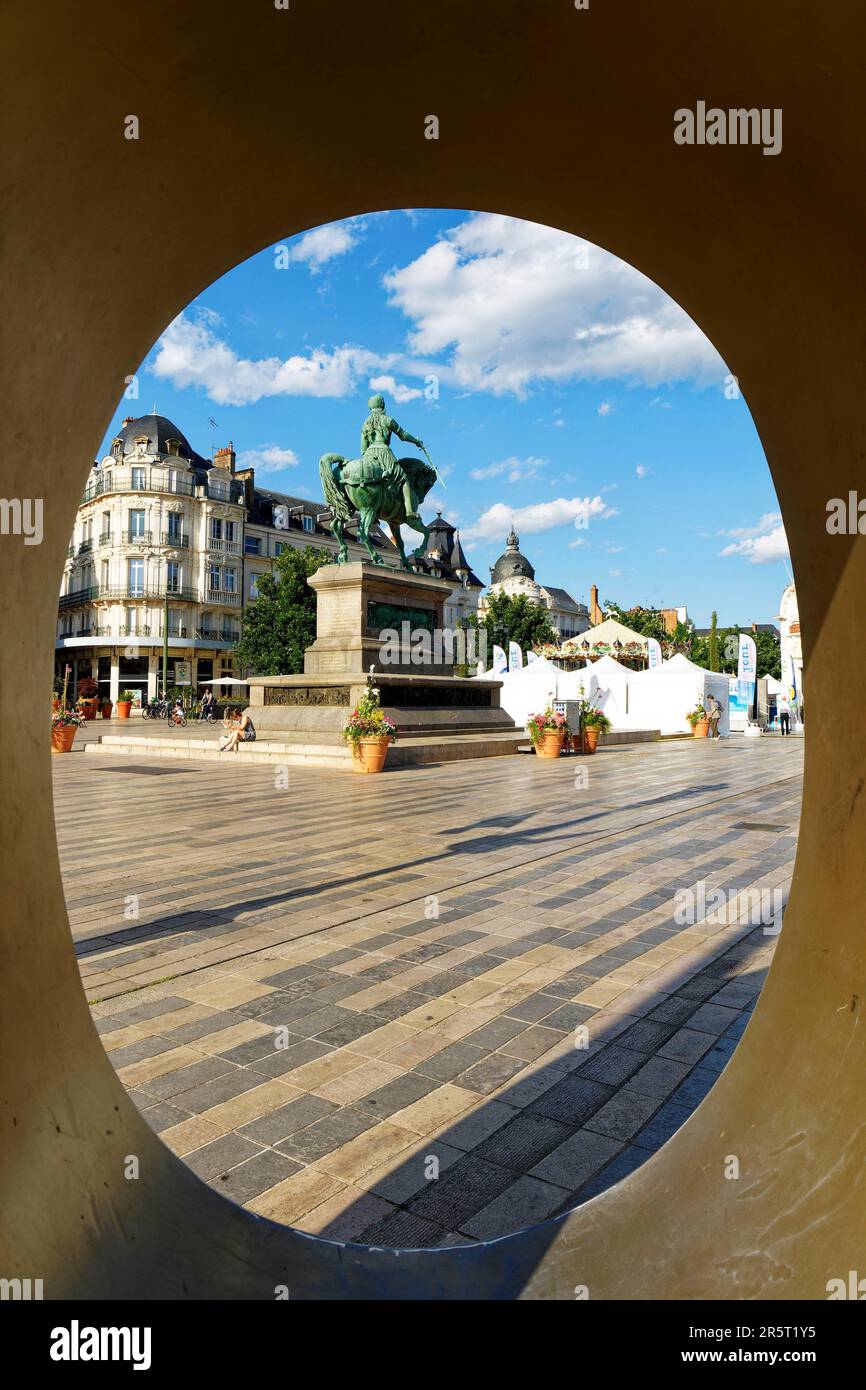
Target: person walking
{"x": 714, "y": 714}
{"x": 783, "y": 709}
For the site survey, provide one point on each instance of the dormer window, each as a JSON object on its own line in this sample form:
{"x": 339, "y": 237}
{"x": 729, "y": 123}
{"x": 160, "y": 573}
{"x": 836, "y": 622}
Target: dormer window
{"x": 308, "y": 523}
{"x": 117, "y": 448}
{"x": 173, "y": 446}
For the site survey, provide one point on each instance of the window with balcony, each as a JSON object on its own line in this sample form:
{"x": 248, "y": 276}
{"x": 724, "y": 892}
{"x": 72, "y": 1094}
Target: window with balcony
{"x": 175, "y": 623}
{"x": 229, "y": 581}
{"x": 172, "y": 577}
{"x": 136, "y": 525}
{"x": 173, "y": 529}
{"x": 135, "y": 577}
{"x": 216, "y": 528}
{"x": 139, "y": 479}
{"x": 229, "y": 529}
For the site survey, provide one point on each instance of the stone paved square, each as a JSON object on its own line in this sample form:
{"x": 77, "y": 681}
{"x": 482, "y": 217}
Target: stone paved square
{"x": 484, "y": 1017}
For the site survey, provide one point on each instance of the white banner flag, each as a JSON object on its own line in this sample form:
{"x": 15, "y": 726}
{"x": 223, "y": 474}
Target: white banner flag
{"x": 515, "y": 657}
{"x": 654, "y": 652}
{"x": 531, "y": 656}
{"x": 500, "y": 661}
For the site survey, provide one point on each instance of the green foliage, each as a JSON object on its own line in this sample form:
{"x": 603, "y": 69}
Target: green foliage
{"x": 713, "y": 641}
{"x": 510, "y": 619}
{"x": 647, "y": 621}
{"x": 281, "y": 623}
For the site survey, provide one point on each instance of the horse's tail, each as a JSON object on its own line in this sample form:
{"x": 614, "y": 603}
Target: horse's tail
{"x": 335, "y": 497}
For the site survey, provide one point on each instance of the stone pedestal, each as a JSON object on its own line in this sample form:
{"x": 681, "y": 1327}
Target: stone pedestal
{"x": 358, "y": 603}
{"x": 393, "y": 621}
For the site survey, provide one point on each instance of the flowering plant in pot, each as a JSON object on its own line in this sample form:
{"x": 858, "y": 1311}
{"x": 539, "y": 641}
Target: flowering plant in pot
{"x": 124, "y": 703}
{"x": 64, "y": 724}
{"x": 548, "y": 732}
{"x": 106, "y": 709}
{"x": 699, "y": 721}
{"x": 595, "y": 723}
{"x": 369, "y": 730}
{"x": 88, "y": 700}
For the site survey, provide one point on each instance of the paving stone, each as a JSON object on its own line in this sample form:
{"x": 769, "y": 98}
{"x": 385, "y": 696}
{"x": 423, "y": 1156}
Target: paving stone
{"x": 252, "y": 1051}
{"x": 391, "y": 1009}
{"x": 612, "y": 1064}
{"x": 396, "y": 1094}
{"x": 572, "y": 1100}
{"x": 713, "y": 1018}
{"x": 576, "y": 1160}
{"x": 696, "y": 1086}
{"x": 493, "y": 1034}
{"x": 668, "y": 1120}
{"x": 350, "y": 1030}
{"x": 489, "y": 1074}
{"x": 163, "y": 1116}
{"x": 255, "y": 1176}
{"x": 527, "y": 1202}
{"x": 217, "y": 1157}
{"x": 233, "y": 1083}
{"x": 280, "y": 1124}
{"x": 720, "y": 1054}
{"x": 646, "y": 1035}
{"x": 451, "y": 1061}
{"x": 623, "y": 1115}
{"x": 172, "y": 1083}
{"x": 687, "y": 1045}
{"x": 410, "y": 1176}
{"x": 470, "y": 1130}
{"x": 673, "y": 1010}
{"x": 539, "y": 1006}
{"x": 402, "y": 1230}
{"x": 466, "y": 1187}
{"x": 326, "y": 1135}
{"x": 282, "y": 1060}
{"x": 625, "y": 1163}
{"x": 523, "y": 1141}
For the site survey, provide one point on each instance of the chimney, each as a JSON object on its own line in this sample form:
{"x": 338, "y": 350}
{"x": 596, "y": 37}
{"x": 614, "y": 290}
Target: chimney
{"x": 127, "y": 420}
{"x": 225, "y": 458}
{"x": 595, "y": 614}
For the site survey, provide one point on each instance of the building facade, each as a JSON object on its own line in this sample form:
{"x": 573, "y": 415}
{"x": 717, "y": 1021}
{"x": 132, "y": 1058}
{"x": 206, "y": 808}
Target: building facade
{"x": 167, "y": 539}
{"x": 514, "y": 575}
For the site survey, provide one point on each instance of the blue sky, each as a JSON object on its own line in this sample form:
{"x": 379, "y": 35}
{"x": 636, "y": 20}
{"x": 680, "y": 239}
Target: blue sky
{"x": 548, "y": 379}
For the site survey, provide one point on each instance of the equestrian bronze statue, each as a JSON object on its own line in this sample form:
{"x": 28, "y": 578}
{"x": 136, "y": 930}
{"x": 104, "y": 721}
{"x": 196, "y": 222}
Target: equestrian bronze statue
{"x": 378, "y": 486}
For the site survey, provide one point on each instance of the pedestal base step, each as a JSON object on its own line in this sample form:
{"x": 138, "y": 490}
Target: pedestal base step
{"x": 409, "y": 752}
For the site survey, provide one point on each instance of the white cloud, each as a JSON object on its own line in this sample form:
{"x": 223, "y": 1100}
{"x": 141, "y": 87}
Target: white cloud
{"x": 660, "y": 404}
{"x": 394, "y": 388}
{"x": 540, "y": 516}
{"x": 513, "y": 305}
{"x": 559, "y": 424}
{"x": 516, "y": 469}
{"x": 323, "y": 244}
{"x": 614, "y": 549}
{"x": 614, "y": 574}
{"x": 189, "y": 353}
{"x": 605, "y": 408}
{"x": 575, "y": 545}
{"x": 761, "y": 544}
{"x": 642, "y": 471}
{"x": 269, "y": 458}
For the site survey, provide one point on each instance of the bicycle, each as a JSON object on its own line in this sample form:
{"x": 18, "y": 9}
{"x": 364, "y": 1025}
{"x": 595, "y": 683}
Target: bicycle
{"x": 176, "y": 718}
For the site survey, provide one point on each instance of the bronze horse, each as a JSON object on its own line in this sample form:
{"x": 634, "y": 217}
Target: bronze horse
{"x": 374, "y": 490}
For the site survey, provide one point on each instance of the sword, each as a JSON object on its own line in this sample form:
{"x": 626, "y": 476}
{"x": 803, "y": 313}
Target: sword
{"x": 433, "y": 466}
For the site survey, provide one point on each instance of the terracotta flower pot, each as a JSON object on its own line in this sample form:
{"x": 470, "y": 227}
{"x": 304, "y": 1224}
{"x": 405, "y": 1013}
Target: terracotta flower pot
{"x": 106, "y": 710}
{"x": 369, "y": 754}
{"x": 591, "y": 739}
{"x": 88, "y": 707}
{"x": 123, "y": 708}
{"x": 701, "y": 728}
{"x": 550, "y": 744}
{"x": 62, "y": 738}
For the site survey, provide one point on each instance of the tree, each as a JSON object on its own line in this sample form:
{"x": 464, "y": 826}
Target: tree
{"x": 713, "y": 656}
{"x": 281, "y": 623}
{"x": 647, "y": 621}
{"x": 510, "y": 619}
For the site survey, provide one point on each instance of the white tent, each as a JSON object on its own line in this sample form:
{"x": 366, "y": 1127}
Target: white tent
{"x": 529, "y": 690}
{"x": 661, "y": 698}
{"x": 606, "y": 682}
